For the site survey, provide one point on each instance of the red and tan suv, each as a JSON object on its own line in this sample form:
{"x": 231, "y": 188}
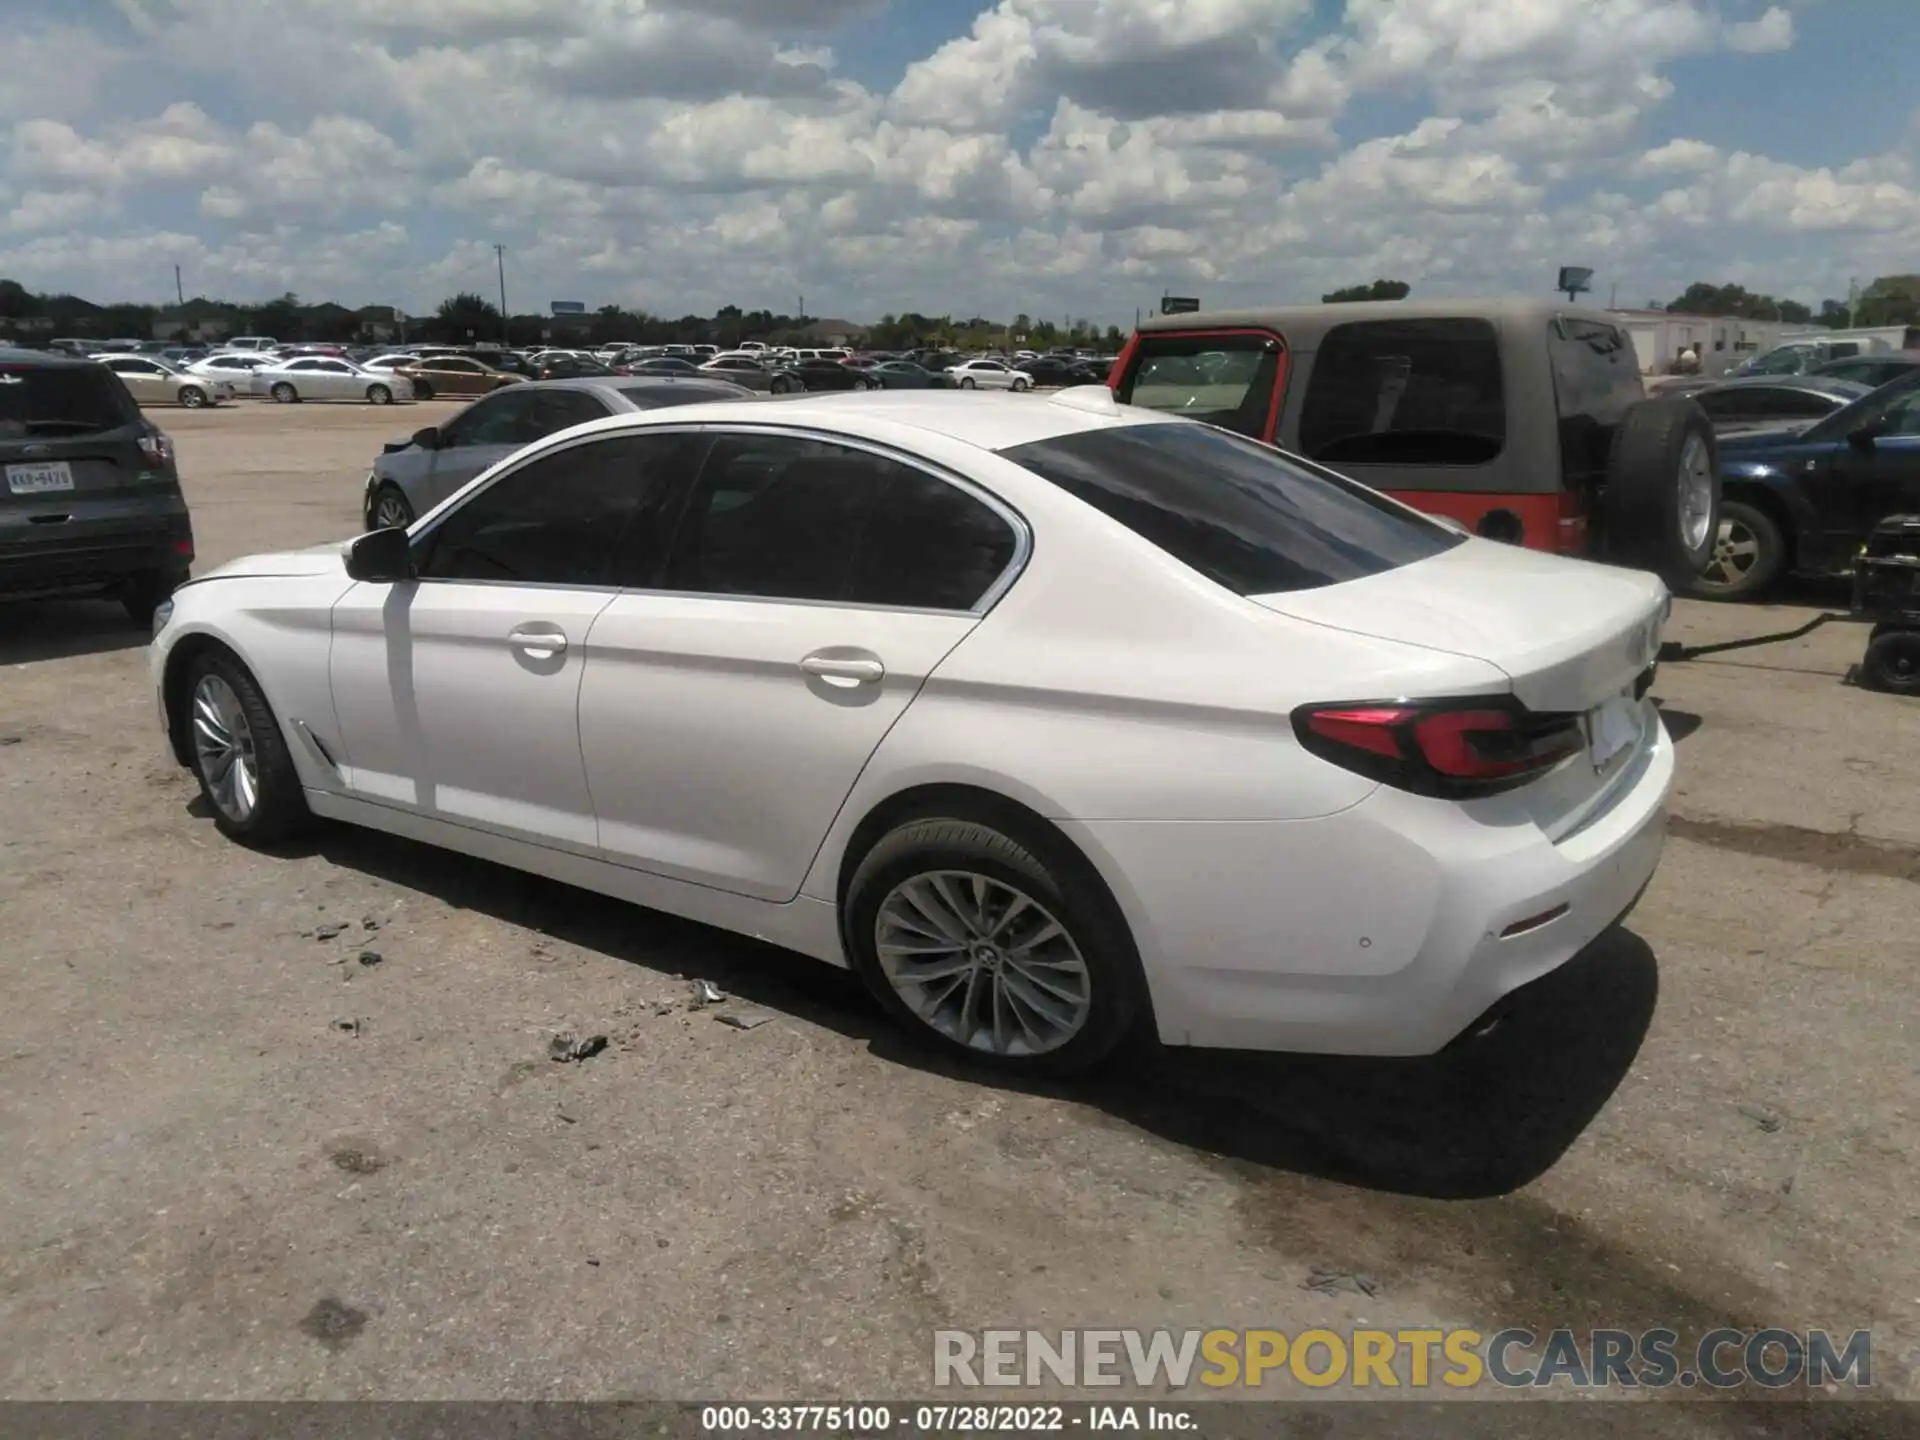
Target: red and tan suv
{"x": 1523, "y": 420}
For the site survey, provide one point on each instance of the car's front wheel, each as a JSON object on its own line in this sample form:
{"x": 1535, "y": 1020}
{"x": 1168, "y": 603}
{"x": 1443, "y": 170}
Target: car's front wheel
{"x": 192, "y": 397}
{"x": 379, "y": 395}
{"x": 1749, "y": 553}
{"x": 779, "y": 387}
{"x": 1892, "y": 661}
{"x": 240, "y": 757}
{"x": 1020, "y": 384}
{"x": 283, "y": 393}
{"x": 966, "y": 382}
{"x": 992, "y": 947}
{"x": 391, "y": 509}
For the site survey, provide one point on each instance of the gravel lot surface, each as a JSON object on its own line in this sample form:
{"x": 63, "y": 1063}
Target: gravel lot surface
{"x": 244, "y": 1161}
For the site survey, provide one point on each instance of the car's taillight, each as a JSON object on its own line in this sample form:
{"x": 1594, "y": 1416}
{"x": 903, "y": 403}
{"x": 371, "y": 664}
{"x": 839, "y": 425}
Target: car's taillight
{"x": 156, "y": 448}
{"x": 1456, "y": 748}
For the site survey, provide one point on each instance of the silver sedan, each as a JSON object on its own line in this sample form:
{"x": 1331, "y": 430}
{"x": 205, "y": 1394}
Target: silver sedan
{"x": 312, "y": 377}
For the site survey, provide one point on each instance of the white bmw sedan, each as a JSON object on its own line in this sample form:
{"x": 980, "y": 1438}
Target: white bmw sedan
{"x": 320, "y": 377}
{"x": 1051, "y": 718}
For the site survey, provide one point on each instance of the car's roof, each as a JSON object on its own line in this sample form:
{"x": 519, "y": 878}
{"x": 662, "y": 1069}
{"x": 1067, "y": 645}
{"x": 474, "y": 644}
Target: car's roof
{"x": 1836, "y": 385}
{"x": 1317, "y": 318}
{"x": 60, "y": 359}
{"x": 985, "y": 421}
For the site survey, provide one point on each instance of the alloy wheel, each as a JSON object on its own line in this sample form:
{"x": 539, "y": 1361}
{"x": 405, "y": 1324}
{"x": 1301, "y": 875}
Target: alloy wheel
{"x": 391, "y": 511}
{"x": 983, "y": 963}
{"x": 223, "y": 744}
{"x": 1696, "y": 495}
{"x": 1735, "y": 553}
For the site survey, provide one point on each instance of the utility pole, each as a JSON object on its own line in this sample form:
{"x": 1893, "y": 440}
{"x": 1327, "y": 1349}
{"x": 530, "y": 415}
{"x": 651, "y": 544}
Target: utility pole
{"x": 1613, "y": 294}
{"x": 506, "y": 324}
{"x": 179, "y": 293}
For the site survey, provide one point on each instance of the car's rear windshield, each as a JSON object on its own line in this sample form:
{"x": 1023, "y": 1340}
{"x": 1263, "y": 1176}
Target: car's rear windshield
{"x": 61, "y": 400}
{"x": 1241, "y": 513}
{"x": 658, "y": 397}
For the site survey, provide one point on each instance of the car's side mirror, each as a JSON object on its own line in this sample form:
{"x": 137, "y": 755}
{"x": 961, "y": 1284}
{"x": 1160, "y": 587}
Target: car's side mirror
{"x": 1862, "y": 436}
{"x": 382, "y": 557}
{"x": 427, "y": 439}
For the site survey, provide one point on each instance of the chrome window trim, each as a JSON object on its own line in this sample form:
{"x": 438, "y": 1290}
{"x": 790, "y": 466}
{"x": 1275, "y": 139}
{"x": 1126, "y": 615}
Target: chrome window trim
{"x": 542, "y": 450}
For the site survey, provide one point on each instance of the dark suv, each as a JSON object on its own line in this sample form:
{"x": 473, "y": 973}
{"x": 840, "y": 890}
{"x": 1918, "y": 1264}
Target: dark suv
{"x": 92, "y": 500}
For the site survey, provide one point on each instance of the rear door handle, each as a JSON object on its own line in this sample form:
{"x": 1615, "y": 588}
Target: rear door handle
{"x": 845, "y": 672}
{"x": 539, "y": 642}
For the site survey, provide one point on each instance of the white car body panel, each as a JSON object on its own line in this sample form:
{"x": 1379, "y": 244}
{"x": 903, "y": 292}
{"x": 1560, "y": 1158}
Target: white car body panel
{"x": 676, "y": 756}
{"x": 323, "y": 382}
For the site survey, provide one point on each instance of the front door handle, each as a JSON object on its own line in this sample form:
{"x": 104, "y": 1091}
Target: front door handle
{"x": 844, "y": 671}
{"x": 539, "y": 643}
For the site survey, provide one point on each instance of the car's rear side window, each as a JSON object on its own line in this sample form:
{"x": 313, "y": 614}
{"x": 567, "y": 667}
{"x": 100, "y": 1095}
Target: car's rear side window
{"x": 62, "y": 400}
{"x": 1406, "y": 392}
{"x": 1241, "y": 513}
{"x": 1225, "y": 379}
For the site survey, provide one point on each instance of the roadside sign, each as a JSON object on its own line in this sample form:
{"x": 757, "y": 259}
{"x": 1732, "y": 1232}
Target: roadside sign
{"x": 1178, "y": 304}
{"x": 569, "y": 307}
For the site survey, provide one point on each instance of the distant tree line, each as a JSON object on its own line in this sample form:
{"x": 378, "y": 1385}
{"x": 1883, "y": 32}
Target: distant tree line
{"x": 1889, "y": 300}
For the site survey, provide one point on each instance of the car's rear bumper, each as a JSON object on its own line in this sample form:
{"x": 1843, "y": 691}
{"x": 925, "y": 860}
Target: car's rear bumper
{"x": 89, "y": 552}
{"x": 1386, "y": 929}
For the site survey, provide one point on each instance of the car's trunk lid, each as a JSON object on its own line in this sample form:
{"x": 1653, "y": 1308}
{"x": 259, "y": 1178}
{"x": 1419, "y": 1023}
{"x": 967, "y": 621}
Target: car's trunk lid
{"x": 1575, "y": 638}
{"x": 67, "y": 432}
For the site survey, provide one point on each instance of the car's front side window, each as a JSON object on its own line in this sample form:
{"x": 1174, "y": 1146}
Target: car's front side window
{"x": 503, "y": 419}
{"x": 593, "y": 514}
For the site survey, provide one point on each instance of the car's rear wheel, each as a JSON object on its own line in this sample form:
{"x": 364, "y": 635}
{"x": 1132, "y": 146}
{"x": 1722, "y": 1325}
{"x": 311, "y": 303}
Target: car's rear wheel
{"x": 1663, "y": 490}
{"x": 240, "y": 757}
{"x": 1892, "y": 661}
{"x": 779, "y": 387}
{"x": 283, "y": 393}
{"x": 192, "y": 397}
{"x": 391, "y": 509}
{"x": 1749, "y": 552}
{"x": 379, "y": 395}
{"x": 993, "y": 947}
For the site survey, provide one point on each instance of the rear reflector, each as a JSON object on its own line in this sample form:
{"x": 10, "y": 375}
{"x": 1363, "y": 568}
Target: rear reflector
{"x": 1534, "y": 922}
{"x": 1455, "y": 748}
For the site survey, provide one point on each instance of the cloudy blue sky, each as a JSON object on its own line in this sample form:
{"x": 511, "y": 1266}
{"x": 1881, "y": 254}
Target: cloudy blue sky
{"x": 1051, "y": 156}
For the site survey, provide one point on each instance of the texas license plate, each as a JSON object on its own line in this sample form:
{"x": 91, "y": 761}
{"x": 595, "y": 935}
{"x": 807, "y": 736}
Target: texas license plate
{"x": 39, "y": 479}
{"x": 1611, "y": 728}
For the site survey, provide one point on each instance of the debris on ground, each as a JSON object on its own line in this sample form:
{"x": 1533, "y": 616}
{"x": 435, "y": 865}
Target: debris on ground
{"x": 706, "y": 993}
{"x": 568, "y": 1048}
{"x": 1331, "y": 1282}
{"x": 11, "y": 739}
{"x": 330, "y": 929}
{"x": 1769, "y": 1121}
{"x": 743, "y": 1019}
{"x": 369, "y": 923}
{"x": 371, "y": 957}
{"x": 350, "y": 1027}
{"x": 333, "y": 1323}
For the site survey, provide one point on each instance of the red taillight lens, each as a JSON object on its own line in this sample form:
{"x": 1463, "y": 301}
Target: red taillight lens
{"x": 1449, "y": 747}
{"x": 156, "y": 448}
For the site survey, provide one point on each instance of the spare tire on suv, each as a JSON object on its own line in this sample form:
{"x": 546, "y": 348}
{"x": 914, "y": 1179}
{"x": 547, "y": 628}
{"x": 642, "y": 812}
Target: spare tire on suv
{"x": 1661, "y": 509}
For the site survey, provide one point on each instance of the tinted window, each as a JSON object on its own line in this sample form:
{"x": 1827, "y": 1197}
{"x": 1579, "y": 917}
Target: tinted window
{"x": 1240, "y": 513}
{"x": 1225, "y": 380}
{"x": 556, "y": 410}
{"x": 564, "y": 518}
{"x": 61, "y": 400}
{"x": 1766, "y": 402}
{"x": 793, "y": 519}
{"x": 1596, "y": 377}
{"x": 929, "y": 545}
{"x": 1406, "y": 392}
{"x": 503, "y": 419}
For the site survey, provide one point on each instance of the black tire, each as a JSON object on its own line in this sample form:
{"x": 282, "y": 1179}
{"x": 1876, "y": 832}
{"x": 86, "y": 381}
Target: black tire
{"x": 1020, "y": 385}
{"x": 1057, "y": 879}
{"x": 966, "y": 382}
{"x": 779, "y": 387}
{"x": 191, "y": 397}
{"x": 379, "y": 395}
{"x": 423, "y": 391}
{"x": 1749, "y": 554}
{"x": 141, "y": 594}
{"x": 1892, "y": 661}
{"x": 1650, "y": 510}
{"x": 283, "y": 393}
{"x": 281, "y": 808}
